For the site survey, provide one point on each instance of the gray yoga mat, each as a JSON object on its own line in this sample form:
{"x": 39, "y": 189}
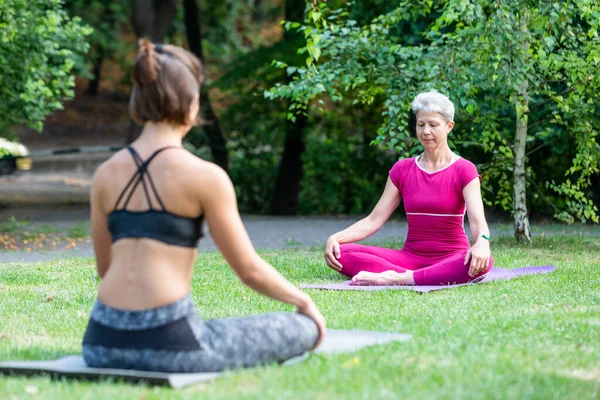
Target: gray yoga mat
{"x": 495, "y": 274}
{"x": 337, "y": 341}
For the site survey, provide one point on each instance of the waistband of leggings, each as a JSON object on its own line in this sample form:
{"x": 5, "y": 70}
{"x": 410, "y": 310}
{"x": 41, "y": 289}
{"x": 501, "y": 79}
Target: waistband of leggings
{"x": 144, "y": 319}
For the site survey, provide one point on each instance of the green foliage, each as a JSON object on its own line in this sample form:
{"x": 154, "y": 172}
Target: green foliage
{"x": 238, "y": 59}
{"x": 255, "y": 127}
{"x": 336, "y": 141}
{"x": 12, "y": 225}
{"x": 343, "y": 174}
{"x": 238, "y": 56}
{"x": 108, "y": 19}
{"x": 254, "y": 156}
{"x": 482, "y": 54}
{"x": 234, "y": 28}
{"x": 41, "y": 47}
{"x": 79, "y": 230}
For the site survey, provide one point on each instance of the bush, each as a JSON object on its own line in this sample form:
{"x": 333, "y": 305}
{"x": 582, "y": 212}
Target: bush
{"x": 41, "y": 47}
{"x": 343, "y": 173}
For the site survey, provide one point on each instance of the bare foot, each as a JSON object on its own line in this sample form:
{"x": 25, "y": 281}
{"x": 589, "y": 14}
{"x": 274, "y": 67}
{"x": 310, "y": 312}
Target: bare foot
{"x": 404, "y": 278}
{"x": 364, "y": 278}
{"x": 387, "y": 278}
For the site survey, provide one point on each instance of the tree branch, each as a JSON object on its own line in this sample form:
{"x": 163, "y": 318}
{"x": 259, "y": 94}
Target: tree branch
{"x": 542, "y": 194}
{"x": 549, "y": 100}
{"x": 542, "y": 145}
{"x": 535, "y": 124}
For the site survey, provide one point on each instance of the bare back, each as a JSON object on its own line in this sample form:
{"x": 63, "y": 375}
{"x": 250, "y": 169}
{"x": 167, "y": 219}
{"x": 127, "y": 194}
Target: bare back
{"x": 142, "y": 272}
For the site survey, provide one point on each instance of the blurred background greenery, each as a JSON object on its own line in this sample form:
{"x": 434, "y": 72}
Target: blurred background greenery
{"x": 327, "y": 160}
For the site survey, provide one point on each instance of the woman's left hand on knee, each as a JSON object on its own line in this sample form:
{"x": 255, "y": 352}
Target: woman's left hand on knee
{"x": 479, "y": 258}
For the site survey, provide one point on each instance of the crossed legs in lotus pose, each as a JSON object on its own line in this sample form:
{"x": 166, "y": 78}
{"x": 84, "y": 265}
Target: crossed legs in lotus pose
{"x": 371, "y": 265}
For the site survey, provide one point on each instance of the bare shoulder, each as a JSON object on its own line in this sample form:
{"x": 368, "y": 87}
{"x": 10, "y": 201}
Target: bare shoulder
{"x": 105, "y": 175}
{"x": 199, "y": 168}
{"x": 106, "y": 170}
{"x": 200, "y": 173}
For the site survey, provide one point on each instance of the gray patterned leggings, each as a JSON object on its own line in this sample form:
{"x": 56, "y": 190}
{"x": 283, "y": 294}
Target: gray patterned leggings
{"x": 174, "y": 338}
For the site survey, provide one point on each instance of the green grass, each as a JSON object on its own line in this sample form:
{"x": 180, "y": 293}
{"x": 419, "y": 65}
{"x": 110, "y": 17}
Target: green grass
{"x": 46, "y": 229}
{"x": 12, "y": 225}
{"x": 536, "y": 337}
{"x": 79, "y": 230}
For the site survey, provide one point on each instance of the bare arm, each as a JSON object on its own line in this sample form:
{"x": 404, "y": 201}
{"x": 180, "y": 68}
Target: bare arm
{"x": 231, "y": 238}
{"x": 479, "y": 254}
{"x": 374, "y": 221}
{"x": 365, "y": 227}
{"x": 99, "y": 226}
{"x": 477, "y": 222}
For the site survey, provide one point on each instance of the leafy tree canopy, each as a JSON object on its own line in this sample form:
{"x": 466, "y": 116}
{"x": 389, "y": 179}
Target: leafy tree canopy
{"x": 41, "y": 48}
{"x": 503, "y": 62}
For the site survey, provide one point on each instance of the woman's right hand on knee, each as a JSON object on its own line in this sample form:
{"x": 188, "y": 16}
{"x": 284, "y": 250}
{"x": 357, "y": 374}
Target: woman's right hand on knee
{"x": 310, "y": 310}
{"x": 332, "y": 254}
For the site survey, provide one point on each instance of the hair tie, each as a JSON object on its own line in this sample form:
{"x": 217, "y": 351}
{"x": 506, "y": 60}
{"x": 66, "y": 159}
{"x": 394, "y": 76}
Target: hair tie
{"x": 158, "y": 47}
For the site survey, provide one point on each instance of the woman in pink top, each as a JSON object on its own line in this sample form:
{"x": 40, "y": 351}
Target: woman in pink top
{"x": 438, "y": 187}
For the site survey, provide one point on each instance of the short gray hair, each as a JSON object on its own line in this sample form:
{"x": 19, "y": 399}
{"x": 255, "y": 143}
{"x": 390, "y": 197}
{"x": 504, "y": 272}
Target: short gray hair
{"x": 433, "y": 102}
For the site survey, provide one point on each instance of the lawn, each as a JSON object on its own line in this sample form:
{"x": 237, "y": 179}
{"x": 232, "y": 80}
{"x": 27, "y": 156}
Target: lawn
{"x": 536, "y": 337}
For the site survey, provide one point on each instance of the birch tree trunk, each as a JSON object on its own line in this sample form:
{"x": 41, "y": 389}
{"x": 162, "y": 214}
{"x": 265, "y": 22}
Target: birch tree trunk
{"x": 522, "y": 231}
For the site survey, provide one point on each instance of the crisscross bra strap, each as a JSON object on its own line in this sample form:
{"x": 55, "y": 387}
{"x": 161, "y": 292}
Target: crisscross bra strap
{"x": 138, "y": 176}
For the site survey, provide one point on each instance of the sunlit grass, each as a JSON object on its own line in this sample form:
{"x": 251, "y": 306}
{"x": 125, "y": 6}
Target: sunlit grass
{"x": 533, "y": 337}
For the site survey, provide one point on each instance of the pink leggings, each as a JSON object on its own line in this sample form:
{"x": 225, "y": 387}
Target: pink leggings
{"x": 427, "y": 270}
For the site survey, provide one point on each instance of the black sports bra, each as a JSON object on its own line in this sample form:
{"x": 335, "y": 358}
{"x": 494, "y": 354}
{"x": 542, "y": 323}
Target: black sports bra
{"x": 160, "y": 224}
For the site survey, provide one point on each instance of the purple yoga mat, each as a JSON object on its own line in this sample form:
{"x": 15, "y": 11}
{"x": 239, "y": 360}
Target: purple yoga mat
{"x": 495, "y": 274}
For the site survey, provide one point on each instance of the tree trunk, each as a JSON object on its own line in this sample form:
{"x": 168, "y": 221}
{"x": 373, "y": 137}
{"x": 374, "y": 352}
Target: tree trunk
{"x": 211, "y": 126}
{"x": 256, "y": 12}
{"x": 94, "y": 84}
{"x": 142, "y": 17}
{"x": 164, "y": 14}
{"x": 522, "y": 231}
{"x": 92, "y": 89}
{"x": 289, "y": 177}
{"x": 151, "y": 20}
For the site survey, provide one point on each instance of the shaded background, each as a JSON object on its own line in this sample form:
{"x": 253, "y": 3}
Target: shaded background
{"x": 322, "y": 163}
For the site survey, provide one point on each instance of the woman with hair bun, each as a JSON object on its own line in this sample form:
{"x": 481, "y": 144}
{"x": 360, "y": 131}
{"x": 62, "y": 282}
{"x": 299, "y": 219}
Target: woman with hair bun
{"x": 148, "y": 202}
{"x": 438, "y": 188}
